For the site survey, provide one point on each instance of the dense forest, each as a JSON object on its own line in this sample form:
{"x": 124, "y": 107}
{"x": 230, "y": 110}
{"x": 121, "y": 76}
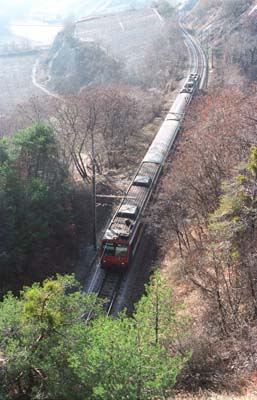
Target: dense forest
{"x": 52, "y": 350}
{"x": 36, "y": 205}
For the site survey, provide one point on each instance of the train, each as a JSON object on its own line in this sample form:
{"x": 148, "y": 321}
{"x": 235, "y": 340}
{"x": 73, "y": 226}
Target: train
{"x": 122, "y": 237}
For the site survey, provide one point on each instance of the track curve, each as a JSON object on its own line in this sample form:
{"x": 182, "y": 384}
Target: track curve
{"x": 198, "y": 62}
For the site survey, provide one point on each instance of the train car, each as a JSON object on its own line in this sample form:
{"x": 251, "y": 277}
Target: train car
{"x": 162, "y": 142}
{"x": 125, "y": 230}
{"x": 121, "y": 239}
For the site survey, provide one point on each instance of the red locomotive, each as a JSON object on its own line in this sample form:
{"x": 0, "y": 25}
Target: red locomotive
{"x": 121, "y": 239}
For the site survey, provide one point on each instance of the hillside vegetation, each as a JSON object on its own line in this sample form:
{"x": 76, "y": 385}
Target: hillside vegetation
{"x": 52, "y": 351}
{"x": 227, "y": 30}
{"x": 37, "y": 209}
{"x": 207, "y": 242}
{"x": 209, "y": 200}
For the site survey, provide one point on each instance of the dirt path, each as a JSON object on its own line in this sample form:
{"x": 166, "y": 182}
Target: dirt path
{"x": 41, "y": 86}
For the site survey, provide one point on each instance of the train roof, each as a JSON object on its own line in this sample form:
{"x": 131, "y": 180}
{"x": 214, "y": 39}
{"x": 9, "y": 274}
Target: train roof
{"x": 118, "y": 230}
{"x": 162, "y": 142}
{"x": 180, "y": 104}
{"x": 127, "y": 215}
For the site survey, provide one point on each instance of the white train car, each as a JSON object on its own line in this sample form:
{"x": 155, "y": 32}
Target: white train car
{"x": 123, "y": 234}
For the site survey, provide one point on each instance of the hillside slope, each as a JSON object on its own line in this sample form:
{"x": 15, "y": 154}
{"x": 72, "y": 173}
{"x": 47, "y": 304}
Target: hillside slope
{"x": 131, "y": 47}
{"x": 228, "y": 30}
{"x": 72, "y": 64}
{"x": 206, "y": 210}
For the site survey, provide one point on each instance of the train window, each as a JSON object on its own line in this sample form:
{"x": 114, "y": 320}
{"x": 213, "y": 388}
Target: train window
{"x": 121, "y": 251}
{"x": 115, "y": 250}
{"x": 109, "y": 249}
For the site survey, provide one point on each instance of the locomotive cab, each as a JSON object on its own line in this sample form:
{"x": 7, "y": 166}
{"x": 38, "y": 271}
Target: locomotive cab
{"x": 115, "y": 249}
{"x": 115, "y": 253}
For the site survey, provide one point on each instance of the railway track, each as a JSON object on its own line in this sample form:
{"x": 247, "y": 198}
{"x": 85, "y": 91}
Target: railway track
{"x": 108, "y": 285}
{"x": 198, "y": 62}
{"x": 110, "y": 289}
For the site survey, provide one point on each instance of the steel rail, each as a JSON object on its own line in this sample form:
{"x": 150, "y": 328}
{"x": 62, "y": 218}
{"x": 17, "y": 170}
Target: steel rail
{"x": 109, "y": 290}
{"x": 196, "y": 52}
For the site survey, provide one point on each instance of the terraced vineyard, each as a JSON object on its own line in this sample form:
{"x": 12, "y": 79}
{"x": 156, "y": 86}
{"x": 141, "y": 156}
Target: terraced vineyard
{"x": 126, "y": 35}
{"x": 16, "y": 84}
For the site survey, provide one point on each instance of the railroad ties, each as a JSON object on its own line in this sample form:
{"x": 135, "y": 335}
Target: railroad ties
{"x": 109, "y": 289}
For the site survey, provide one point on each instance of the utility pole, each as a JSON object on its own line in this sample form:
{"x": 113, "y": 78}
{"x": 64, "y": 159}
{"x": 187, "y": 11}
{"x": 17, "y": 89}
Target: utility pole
{"x": 93, "y": 191}
{"x": 207, "y": 61}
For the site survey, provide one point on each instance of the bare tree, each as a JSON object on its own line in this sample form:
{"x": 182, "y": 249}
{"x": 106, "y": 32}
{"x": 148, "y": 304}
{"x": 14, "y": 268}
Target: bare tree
{"x": 164, "y": 58}
{"x": 75, "y": 120}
